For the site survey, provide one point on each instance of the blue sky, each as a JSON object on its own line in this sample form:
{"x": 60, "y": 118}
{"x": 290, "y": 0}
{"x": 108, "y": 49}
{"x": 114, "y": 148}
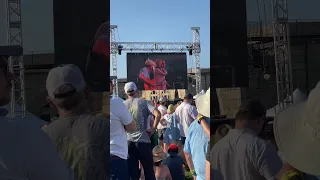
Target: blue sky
{"x": 161, "y": 21}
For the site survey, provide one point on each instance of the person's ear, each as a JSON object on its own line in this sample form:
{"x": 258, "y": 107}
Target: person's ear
{"x": 51, "y": 103}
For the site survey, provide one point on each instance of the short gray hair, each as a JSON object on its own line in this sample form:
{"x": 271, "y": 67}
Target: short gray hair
{"x": 70, "y": 102}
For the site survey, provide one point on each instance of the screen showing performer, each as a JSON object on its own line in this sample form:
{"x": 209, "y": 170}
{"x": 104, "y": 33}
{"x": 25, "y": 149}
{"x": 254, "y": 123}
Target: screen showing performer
{"x": 157, "y": 71}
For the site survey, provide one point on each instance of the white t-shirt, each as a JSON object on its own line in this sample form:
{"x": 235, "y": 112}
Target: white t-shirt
{"x": 243, "y": 155}
{"x": 119, "y": 117}
{"x": 185, "y": 114}
{"x": 28, "y": 153}
{"x": 163, "y": 110}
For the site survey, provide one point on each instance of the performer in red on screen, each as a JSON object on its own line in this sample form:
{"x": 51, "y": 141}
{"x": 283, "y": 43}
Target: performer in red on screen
{"x": 147, "y": 75}
{"x": 99, "y": 59}
{"x": 160, "y": 74}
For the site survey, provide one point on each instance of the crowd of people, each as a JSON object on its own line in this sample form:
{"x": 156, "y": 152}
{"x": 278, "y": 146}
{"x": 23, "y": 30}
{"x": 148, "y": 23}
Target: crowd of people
{"x": 181, "y": 131}
{"x": 153, "y": 140}
{"x": 240, "y": 152}
{"x": 158, "y": 141}
{"x": 72, "y": 146}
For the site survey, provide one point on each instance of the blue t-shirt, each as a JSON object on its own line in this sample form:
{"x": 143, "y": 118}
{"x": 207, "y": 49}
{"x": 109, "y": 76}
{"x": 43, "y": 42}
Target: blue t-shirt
{"x": 175, "y": 165}
{"x": 196, "y": 145}
{"x": 172, "y": 132}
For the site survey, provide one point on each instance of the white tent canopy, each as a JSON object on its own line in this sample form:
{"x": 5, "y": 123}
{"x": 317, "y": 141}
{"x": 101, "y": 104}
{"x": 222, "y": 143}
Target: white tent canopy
{"x": 29, "y": 116}
{"x": 298, "y": 96}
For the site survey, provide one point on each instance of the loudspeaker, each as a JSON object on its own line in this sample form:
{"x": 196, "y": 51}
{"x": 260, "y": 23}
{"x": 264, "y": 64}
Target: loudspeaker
{"x": 228, "y": 35}
{"x": 76, "y": 24}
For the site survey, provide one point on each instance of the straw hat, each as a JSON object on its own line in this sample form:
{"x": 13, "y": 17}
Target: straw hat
{"x": 297, "y": 133}
{"x": 203, "y": 103}
{"x": 158, "y": 154}
{"x": 170, "y": 109}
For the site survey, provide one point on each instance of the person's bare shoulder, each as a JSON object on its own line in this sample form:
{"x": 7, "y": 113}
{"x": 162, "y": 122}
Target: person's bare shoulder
{"x": 166, "y": 168}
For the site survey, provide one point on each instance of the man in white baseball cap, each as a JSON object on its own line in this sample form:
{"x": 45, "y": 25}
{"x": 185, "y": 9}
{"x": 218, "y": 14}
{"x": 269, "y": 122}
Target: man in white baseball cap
{"x": 139, "y": 142}
{"x": 297, "y": 133}
{"x": 130, "y": 87}
{"x": 76, "y": 132}
{"x": 162, "y": 125}
{"x": 121, "y": 121}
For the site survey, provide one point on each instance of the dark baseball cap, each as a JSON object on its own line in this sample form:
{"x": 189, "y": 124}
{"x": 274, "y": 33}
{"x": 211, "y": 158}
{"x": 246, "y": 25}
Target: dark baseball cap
{"x": 253, "y": 107}
{"x": 188, "y": 96}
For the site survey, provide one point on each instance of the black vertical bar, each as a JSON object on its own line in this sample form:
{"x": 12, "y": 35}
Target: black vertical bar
{"x": 306, "y": 45}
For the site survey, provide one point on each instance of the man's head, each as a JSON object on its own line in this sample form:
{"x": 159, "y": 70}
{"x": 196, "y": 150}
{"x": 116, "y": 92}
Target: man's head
{"x": 149, "y": 64}
{"x": 163, "y": 101}
{"x": 251, "y": 115}
{"x": 67, "y": 89}
{"x": 173, "y": 149}
{"x": 188, "y": 98}
{"x": 5, "y": 81}
{"x": 160, "y": 63}
{"x": 130, "y": 89}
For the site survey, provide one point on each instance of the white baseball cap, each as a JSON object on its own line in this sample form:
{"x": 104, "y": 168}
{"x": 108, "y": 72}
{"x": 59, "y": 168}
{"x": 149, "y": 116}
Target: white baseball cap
{"x": 203, "y": 103}
{"x": 130, "y": 86}
{"x": 68, "y": 74}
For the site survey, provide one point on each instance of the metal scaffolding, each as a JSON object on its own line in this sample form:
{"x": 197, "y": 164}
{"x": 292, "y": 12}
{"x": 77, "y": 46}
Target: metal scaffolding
{"x": 16, "y": 65}
{"x": 113, "y": 53}
{"x": 193, "y": 47}
{"x": 196, "y": 55}
{"x": 282, "y": 53}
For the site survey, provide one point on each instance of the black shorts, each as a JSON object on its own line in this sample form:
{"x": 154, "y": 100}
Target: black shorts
{"x": 183, "y": 140}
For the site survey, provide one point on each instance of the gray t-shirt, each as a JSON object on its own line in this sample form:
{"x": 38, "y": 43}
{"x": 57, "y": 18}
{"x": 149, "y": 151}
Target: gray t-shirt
{"x": 140, "y": 110}
{"x": 241, "y": 155}
{"x": 145, "y": 72}
{"x": 83, "y": 142}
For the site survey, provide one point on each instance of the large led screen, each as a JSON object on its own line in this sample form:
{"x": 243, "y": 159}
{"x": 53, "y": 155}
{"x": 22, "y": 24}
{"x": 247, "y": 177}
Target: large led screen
{"x": 157, "y": 71}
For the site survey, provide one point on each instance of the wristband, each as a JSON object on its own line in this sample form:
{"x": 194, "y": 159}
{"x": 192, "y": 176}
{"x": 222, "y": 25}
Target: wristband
{"x": 290, "y": 174}
{"x": 193, "y": 172}
{"x": 200, "y": 117}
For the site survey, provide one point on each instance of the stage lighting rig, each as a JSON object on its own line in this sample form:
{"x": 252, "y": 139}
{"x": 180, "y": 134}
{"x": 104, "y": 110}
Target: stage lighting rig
{"x": 190, "y": 49}
{"x": 266, "y": 73}
{"x": 120, "y": 47}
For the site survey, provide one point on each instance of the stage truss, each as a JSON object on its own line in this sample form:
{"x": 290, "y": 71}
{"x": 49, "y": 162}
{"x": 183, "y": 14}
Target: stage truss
{"x": 150, "y": 47}
{"x": 16, "y": 65}
{"x": 282, "y": 53}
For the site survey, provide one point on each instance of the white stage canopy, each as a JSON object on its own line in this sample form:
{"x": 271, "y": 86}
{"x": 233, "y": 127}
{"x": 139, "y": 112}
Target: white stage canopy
{"x": 298, "y": 96}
